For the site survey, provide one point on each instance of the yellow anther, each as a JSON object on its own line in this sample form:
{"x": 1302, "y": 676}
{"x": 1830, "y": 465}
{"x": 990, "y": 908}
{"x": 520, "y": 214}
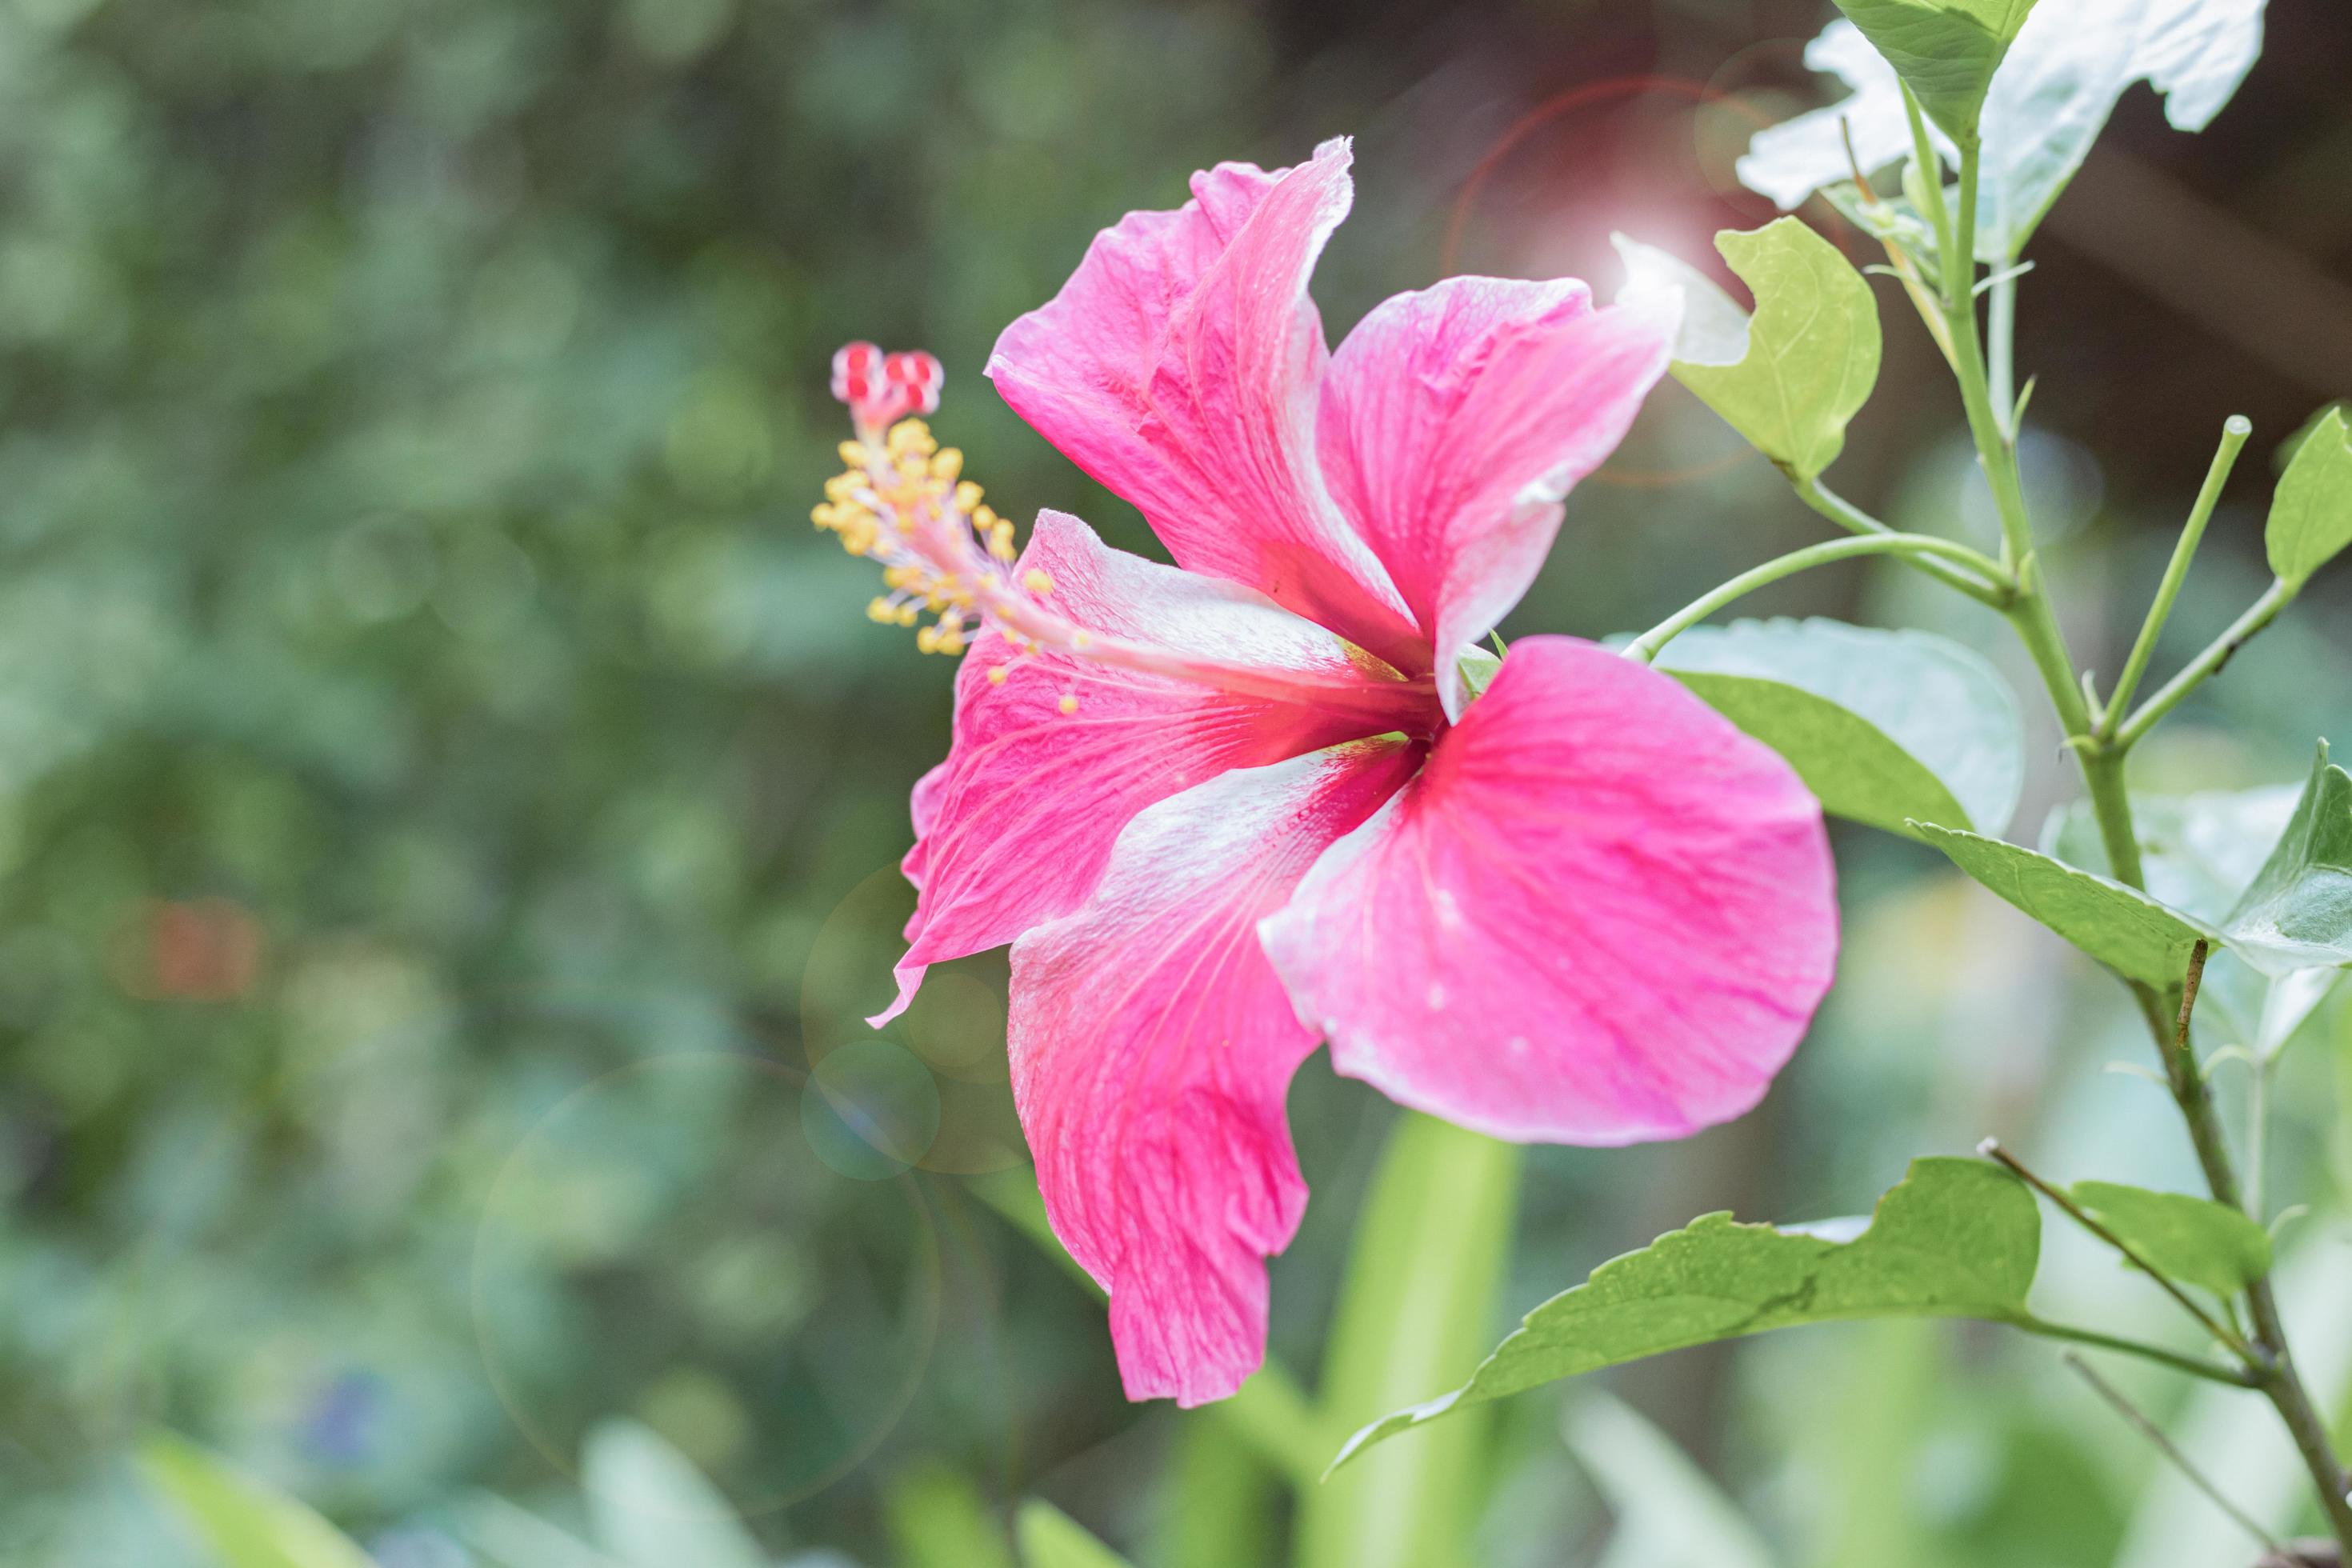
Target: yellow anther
{"x": 967, "y": 496}
{"x": 1069, "y": 703}
{"x": 926, "y": 639}
{"x": 881, "y": 611}
{"x": 907, "y": 615}
{"x": 997, "y": 672}
{"x": 854, "y": 454}
{"x": 1037, "y": 580}
{"x": 911, "y": 437}
{"x": 948, "y": 464}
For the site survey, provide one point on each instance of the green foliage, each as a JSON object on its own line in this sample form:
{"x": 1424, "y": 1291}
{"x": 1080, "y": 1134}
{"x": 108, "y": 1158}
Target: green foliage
{"x": 651, "y": 1508}
{"x": 938, "y": 1518}
{"x": 1668, "y": 1513}
{"x": 2194, "y": 1240}
{"x": 2297, "y": 914}
{"x": 1051, "y": 1539}
{"x": 1416, "y": 1308}
{"x": 1808, "y": 357}
{"x": 1955, "y": 1238}
{"x": 2123, "y": 928}
{"x": 246, "y": 1525}
{"x": 2311, "y": 515}
{"x": 1885, "y": 727}
{"x": 1945, "y": 51}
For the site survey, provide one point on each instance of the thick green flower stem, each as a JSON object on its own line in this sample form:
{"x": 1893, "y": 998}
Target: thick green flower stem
{"x": 2103, "y": 776}
{"x": 1918, "y": 546}
{"x": 1416, "y": 1311}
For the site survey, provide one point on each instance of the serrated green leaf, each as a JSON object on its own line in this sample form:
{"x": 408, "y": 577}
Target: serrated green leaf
{"x": 246, "y": 1524}
{"x": 1945, "y": 51}
{"x": 2297, "y": 914}
{"x": 1806, "y": 360}
{"x": 1956, "y": 1238}
{"x": 2193, "y": 1240}
{"x": 1885, "y": 727}
{"x": 1052, "y": 1539}
{"x": 2124, "y": 928}
{"x": 651, "y": 1508}
{"x": 2311, "y": 515}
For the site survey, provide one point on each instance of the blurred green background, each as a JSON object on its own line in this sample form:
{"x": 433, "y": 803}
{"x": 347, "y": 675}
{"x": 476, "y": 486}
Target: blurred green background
{"x": 449, "y": 796}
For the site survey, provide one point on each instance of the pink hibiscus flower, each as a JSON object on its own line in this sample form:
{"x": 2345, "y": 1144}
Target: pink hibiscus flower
{"x": 1228, "y": 808}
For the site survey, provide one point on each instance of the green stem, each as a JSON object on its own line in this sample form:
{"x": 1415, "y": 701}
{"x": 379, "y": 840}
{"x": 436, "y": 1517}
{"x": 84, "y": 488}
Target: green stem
{"x": 2102, "y": 766}
{"x": 1990, "y": 1148}
{"x": 1645, "y": 647}
{"x": 2000, "y": 330}
{"x": 2263, "y": 612}
{"x": 2258, "y": 1138}
{"x": 2194, "y": 1367}
{"x": 2234, "y": 431}
{"x": 1995, "y": 594}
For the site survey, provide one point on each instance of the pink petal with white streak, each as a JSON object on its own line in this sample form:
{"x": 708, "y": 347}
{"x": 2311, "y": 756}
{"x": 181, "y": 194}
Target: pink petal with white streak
{"x": 1601, "y": 914}
{"x": 1453, "y": 422}
{"x": 1151, "y": 1048}
{"x": 1180, "y": 365}
{"x": 1023, "y": 814}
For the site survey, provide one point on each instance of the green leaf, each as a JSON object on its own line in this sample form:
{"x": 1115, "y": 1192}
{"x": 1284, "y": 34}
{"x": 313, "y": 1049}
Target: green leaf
{"x": 246, "y": 1524}
{"x": 2194, "y": 1240}
{"x": 1669, "y": 1512}
{"x": 1945, "y": 51}
{"x": 2063, "y": 76}
{"x": 2298, "y": 912}
{"x": 653, "y": 1508}
{"x": 2131, "y": 933}
{"x": 1052, "y": 1539}
{"x": 2200, "y": 853}
{"x": 1789, "y": 378}
{"x": 2311, "y": 514}
{"x": 1956, "y": 1238}
{"x": 1417, "y": 1306}
{"x": 1885, "y": 727}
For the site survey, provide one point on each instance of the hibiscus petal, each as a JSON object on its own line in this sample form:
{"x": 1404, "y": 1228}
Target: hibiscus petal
{"x": 1180, "y": 365}
{"x": 1018, "y": 823}
{"x": 1455, "y": 419}
{"x": 1152, "y": 1047}
{"x": 1601, "y": 914}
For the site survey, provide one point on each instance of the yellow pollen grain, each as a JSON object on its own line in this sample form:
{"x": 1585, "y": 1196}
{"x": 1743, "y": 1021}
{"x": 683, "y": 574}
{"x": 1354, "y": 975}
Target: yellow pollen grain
{"x": 948, "y": 464}
{"x": 1037, "y": 580}
{"x": 1069, "y": 703}
{"x": 854, "y": 454}
{"x": 997, "y": 672}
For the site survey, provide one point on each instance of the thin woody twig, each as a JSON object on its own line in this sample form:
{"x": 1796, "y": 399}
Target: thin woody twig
{"x": 2171, "y": 1451}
